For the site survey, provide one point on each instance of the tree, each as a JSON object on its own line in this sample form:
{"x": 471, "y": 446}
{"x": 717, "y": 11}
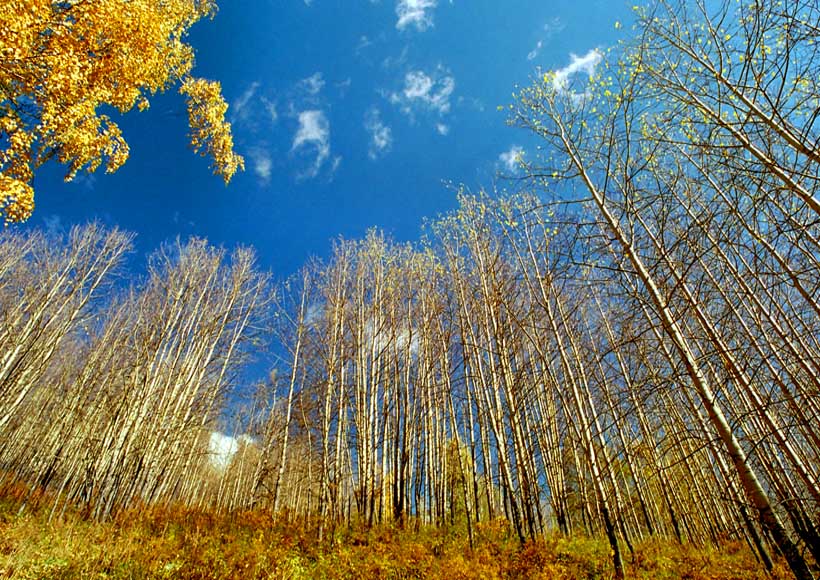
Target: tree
{"x": 61, "y": 61}
{"x": 681, "y": 161}
{"x": 46, "y": 286}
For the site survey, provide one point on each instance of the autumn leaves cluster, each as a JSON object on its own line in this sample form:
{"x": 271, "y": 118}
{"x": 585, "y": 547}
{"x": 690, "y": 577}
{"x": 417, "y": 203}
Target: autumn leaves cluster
{"x": 64, "y": 61}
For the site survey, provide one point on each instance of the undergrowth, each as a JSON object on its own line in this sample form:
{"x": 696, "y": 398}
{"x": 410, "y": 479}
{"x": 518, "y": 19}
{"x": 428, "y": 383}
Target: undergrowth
{"x": 187, "y": 544}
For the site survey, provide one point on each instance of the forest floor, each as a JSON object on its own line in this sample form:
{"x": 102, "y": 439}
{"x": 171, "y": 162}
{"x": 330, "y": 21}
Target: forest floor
{"x": 189, "y": 544}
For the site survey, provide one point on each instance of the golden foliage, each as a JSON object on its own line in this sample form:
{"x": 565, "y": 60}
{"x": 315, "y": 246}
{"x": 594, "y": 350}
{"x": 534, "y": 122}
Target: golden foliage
{"x": 210, "y": 133}
{"x": 61, "y": 61}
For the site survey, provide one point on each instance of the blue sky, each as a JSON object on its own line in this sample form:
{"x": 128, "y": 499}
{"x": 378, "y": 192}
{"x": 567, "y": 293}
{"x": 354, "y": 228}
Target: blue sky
{"x": 350, "y": 114}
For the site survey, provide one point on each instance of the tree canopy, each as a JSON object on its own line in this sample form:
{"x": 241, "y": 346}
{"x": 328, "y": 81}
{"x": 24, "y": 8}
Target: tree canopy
{"x": 63, "y": 61}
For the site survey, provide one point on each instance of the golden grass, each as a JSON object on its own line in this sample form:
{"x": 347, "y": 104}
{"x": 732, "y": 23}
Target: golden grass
{"x": 188, "y": 544}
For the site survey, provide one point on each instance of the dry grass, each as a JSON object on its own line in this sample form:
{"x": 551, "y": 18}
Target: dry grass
{"x": 187, "y": 544}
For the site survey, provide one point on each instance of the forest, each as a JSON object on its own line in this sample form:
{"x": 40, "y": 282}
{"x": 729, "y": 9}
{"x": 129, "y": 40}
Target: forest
{"x": 622, "y": 347}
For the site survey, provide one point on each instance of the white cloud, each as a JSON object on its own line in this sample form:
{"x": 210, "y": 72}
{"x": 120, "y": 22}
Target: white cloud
{"x": 270, "y": 109}
{"x": 578, "y": 64}
{"x": 242, "y": 106}
{"x": 254, "y": 115}
{"x": 408, "y": 340}
{"x": 314, "y": 133}
{"x": 395, "y": 62}
{"x": 512, "y": 158}
{"x": 381, "y": 136}
{"x": 87, "y": 181}
{"x": 54, "y": 224}
{"x": 417, "y": 13}
{"x": 534, "y": 52}
{"x": 426, "y": 92}
{"x": 417, "y": 85}
{"x": 442, "y": 129}
{"x": 250, "y": 107}
{"x": 383, "y": 340}
{"x": 262, "y": 163}
{"x": 315, "y": 313}
{"x": 364, "y": 42}
{"x": 313, "y": 84}
{"x": 471, "y": 102}
{"x": 343, "y": 86}
{"x": 554, "y": 26}
{"x": 178, "y": 219}
{"x": 337, "y": 161}
{"x": 221, "y": 449}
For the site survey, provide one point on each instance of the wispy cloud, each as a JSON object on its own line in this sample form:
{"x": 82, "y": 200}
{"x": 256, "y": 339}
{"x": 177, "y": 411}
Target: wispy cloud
{"x": 416, "y": 13}
{"x": 554, "y": 26}
{"x": 534, "y": 52}
{"x": 262, "y": 163}
{"x": 86, "y": 181}
{"x": 422, "y": 91}
{"x": 53, "y": 224}
{"x": 398, "y": 61}
{"x": 180, "y": 220}
{"x": 337, "y": 161}
{"x": 254, "y": 117}
{"x": 270, "y": 109}
{"x": 381, "y": 136}
{"x": 313, "y": 84}
{"x": 364, "y": 43}
{"x": 251, "y": 108}
{"x": 313, "y": 134}
{"x": 512, "y": 158}
{"x": 242, "y": 106}
{"x": 578, "y": 65}
{"x": 442, "y": 129}
{"x": 343, "y": 86}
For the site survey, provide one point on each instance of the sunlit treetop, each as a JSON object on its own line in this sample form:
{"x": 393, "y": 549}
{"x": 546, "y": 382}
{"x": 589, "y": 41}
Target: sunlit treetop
{"x": 61, "y": 61}
{"x": 733, "y": 83}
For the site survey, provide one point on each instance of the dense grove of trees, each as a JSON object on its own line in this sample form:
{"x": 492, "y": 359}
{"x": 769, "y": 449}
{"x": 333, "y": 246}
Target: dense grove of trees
{"x": 105, "y": 399}
{"x": 634, "y": 352}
